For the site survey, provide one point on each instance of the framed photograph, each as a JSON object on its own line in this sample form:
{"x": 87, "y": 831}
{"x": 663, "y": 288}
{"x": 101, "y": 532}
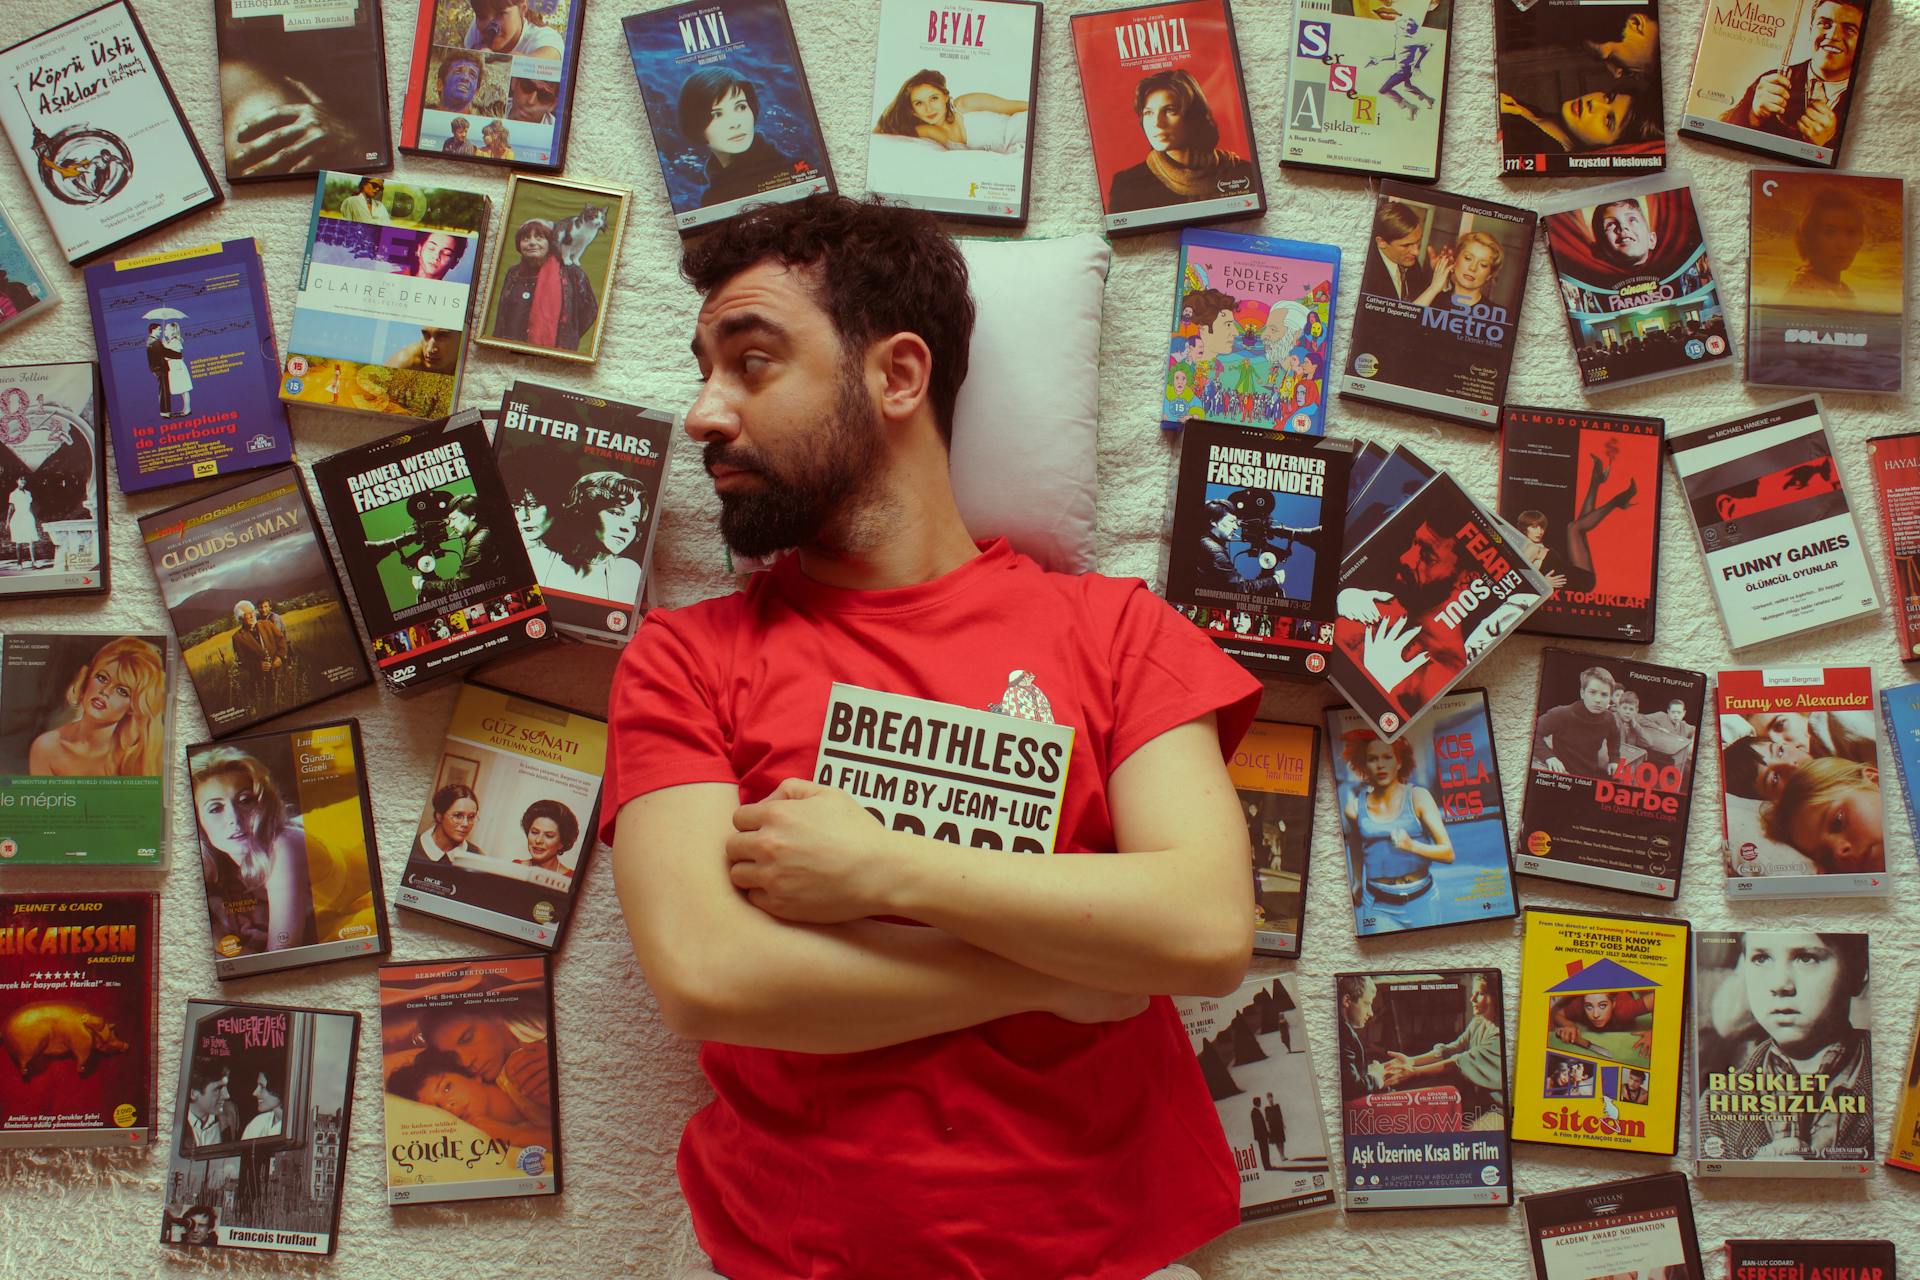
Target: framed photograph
{"x": 491, "y": 81}
{"x": 559, "y": 245}
{"x": 456, "y": 771}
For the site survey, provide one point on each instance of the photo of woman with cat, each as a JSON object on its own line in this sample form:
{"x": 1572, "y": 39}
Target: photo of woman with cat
{"x": 549, "y": 279}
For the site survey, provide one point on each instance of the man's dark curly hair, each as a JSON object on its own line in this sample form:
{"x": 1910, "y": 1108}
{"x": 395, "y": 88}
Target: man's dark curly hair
{"x": 880, "y": 269}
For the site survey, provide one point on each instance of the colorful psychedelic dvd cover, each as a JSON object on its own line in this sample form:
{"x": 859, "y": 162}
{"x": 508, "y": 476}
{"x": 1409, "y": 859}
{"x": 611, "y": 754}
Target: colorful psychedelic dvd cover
{"x": 185, "y": 340}
{"x": 1255, "y": 543}
{"x": 1367, "y": 87}
{"x": 1433, "y": 330}
{"x": 79, "y": 991}
{"x": 302, "y": 88}
{"x": 1584, "y": 489}
{"x": 1800, "y": 782}
{"x": 1601, "y": 1030}
{"x": 505, "y": 832}
{"x": 254, "y": 601}
{"x": 1826, "y": 293}
{"x": 1636, "y": 281}
{"x": 1422, "y": 819}
{"x": 1638, "y": 1227}
{"x": 1274, "y": 770}
{"x": 1777, "y": 76}
{"x": 1422, "y": 601}
{"x": 732, "y": 115}
{"x": 1169, "y": 71}
{"x": 1895, "y": 466}
{"x": 1810, "y": 1260}
{"x": 1423, "y": 1090}
{"x": 1783, "y": 551}
{"x": 424, "y": 528}
{"x": 85, "y": 736}
{"x": 287, "y": 851}
{"x": 53, "y": 471}
{"x": 1610, "y": 779}
{"x": 492, "y": 83}
{"x": 1579, "y": 84}
{"x": 25, "y": 288}
{"x": 1767, "y": 1004}
{"x": 1252, "y": 336}
{"x": 953, "y": 90}
{"x": 1903, "y": 1142}
{"x": 261, "y": 1128}
{"x": 1396, "y": 478}
{"x": 584, "y": 475}
{"x": 470, "y": 1079}
{"x": 385, "y": 305}
{"x": 1254, "y": 1056}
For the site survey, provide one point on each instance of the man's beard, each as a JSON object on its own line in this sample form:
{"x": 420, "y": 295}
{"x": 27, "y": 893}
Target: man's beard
{"x": 816, "y": 492}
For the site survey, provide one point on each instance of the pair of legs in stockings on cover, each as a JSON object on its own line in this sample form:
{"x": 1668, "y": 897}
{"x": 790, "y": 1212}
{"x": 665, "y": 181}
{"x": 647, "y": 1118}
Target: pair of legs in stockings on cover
{"x": 1579, "y": 568}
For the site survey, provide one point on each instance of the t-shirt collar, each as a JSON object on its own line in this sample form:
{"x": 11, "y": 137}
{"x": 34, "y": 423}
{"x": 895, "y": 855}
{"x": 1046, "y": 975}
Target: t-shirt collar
{"x": 809, "y": 596}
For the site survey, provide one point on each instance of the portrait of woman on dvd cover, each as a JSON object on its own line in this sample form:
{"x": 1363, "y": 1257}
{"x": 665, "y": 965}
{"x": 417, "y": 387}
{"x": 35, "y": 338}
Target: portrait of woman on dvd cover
{"x": 1580, "y": 80}
{"x": 719, "y": 110}
{"x": 486, "y": 1064}
{"x": 584, "y": 549}
{"x": 1810, "y": 783}
{"x": 1395, "y": 834}
{"x": 1184, "y": 159}
{"x": 926, "y": 108}
{"x": 114, "y": 722}
{"x": 254, "y": 855}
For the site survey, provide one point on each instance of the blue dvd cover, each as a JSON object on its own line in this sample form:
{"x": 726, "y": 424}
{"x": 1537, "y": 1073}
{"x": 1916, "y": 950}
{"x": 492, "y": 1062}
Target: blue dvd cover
{"x": 188, "y": 360}
{"x": 1900, "y": 708}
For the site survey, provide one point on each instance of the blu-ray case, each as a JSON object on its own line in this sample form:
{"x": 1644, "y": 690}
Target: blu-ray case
{"x": 53, "y": 475}
{"x": 1353, "y": 66}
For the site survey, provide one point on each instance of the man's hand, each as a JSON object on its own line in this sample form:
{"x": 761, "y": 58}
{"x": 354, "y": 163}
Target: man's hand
{"x": 1384, "y": 652}
{"x": 1552, "y": 765}
{"x": 1818, "y": 124}
{"x": 1770, "y": 94}
{"x": 281, "y": 137}
{"x": 809, "y": 854}
{"x": 1357, "y": 605}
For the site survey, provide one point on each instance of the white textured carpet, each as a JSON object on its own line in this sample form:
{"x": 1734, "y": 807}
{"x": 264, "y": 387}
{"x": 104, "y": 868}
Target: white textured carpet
{"x": 628, "y": 1085}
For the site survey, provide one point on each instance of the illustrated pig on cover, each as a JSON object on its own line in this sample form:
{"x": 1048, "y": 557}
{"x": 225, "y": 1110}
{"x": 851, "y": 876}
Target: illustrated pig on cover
{"x": 36, "y": 1034}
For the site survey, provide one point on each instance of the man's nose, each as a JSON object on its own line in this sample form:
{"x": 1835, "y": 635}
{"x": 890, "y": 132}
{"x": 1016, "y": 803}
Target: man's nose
{"x": 710, "y": 418}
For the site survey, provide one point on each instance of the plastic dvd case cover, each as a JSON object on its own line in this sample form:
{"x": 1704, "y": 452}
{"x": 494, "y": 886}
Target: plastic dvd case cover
{"x": 1275, "y": 770}
{"x": 53, "y": 473}
{"x": 1810, "y": 1260}
{"x": 302, "y": 88}
{"x": 1778, "y": 77}
{"x": 1367, "y": 87}
{"x": 1580, "y": 87}
{"x": 492, "y": 83}
{"x": 1894, "y": 463}
{"x": 1640, "y": 1227}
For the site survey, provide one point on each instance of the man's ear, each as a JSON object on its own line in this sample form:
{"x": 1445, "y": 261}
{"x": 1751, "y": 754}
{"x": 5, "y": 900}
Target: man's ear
{"x": 902, "y": 366}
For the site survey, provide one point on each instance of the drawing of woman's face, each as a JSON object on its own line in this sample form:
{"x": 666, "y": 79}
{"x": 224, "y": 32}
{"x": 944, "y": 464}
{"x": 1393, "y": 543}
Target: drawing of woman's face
{"x": 619, "y": 526}
{"x": 543, "y": 839}
{"x": 106, "y": 699}
{"x": 730, "y": 128}
{"x": 929, "y": 103}
{"x": 228, "y": 811}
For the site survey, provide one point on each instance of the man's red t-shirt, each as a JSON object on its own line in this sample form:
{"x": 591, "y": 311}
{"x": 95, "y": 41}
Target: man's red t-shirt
{"x": 1027, "y": 1146}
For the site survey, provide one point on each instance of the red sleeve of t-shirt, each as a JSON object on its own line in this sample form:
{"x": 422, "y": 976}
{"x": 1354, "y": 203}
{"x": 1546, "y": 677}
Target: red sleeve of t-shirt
{"x": 663, "y": 717}
{"x": 1167, "y": 672}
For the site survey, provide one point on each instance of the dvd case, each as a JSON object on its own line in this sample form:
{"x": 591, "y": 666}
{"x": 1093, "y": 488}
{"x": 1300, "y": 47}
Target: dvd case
{"x": 1422, "y": 819}
{"x": 1600, "y": 1031}
{"x": 1423, "y": 1090}
{"x": 953, "y": 90}
{"x": 1254, "y": 1057}
{"x": 1810, "y": 1260}
{"x": 1903, "y": 1141}
{"x": 1423, "y": 600}
{"x": 1439, "y": 306}
{"x": 385, "y": 304}
{"x": 1274, "y": 770}
{"x": 471, "y": 1079}
{"x": 25, "y": 288}
{"x": 91, "y": 116}
{"x": 1584, "y": 489}
{"x": 1900, "y": 709}
{"x": 287, "y": 849}
{"x": 1777, "y": 76}
{"x": 1636, "y": 1227}
{"x": 1169, "y": 71}
{"x": 1895, "y": 466}
{"x": 1783, "y": 551}
{"x": 1638, "y": 285}
{"x": 421, "y": 520}
{"x": 1783, "y": 1055}
{"x": 1353, "y": 67}
{"x": 84, "y": 740}
{"x": 1580, "y": 88}
{"x": 53, "y": 471}
{"x": 261, "y": 1128}
{"x": 584, "y": 477}
{"x": 1826, "y": 290}
{"x": 1395, "y": 479}
{"x": 1800, "y": 782}
{"x": 503, "y": 838}
{"x": 1610, "y": 784}
{"x": 1252, "y": 333}
{"x": 302, "y": 88}
{"x": 1256, "y": 542}
{"x": 1367, "y": 461}
{"x": 492, "y": 83}
{"x": 732, "y": 115}
{"x": 79, "y": 986}
{"x": 254, "y": 656}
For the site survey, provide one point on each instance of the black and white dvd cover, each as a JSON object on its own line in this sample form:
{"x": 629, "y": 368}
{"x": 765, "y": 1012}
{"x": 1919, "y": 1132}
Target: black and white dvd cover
{"x": 584, "y": 477}
{"x": 303, "y": 88}
{"x": 53, "y": 471}
{"x": 1256, "y": 524}
{"x": 287, "y": 850}
{"x": 1367, "y": 87}
{"x": 260, "y": 1128}
{"x": 1584, "y": 491}
{"x": 254, "y": 601}
{"x": 1579, "y": 84}
{"x": 1783, "y": 1055}
{"x": 1254, "y": 1057}
{"x": 1439, "y": 305}
{"x": 1810, "y": 1260}
{"x": 1396, "y": 478}
{"x": 1423, "y": 600}
{"x": 425, "y": 529}
{"x": 1274, "y": 771}
{"x": 1637, "y": 1227}
{"x": 1610, "y": 778}
{"x": 1423, "y": 1089}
